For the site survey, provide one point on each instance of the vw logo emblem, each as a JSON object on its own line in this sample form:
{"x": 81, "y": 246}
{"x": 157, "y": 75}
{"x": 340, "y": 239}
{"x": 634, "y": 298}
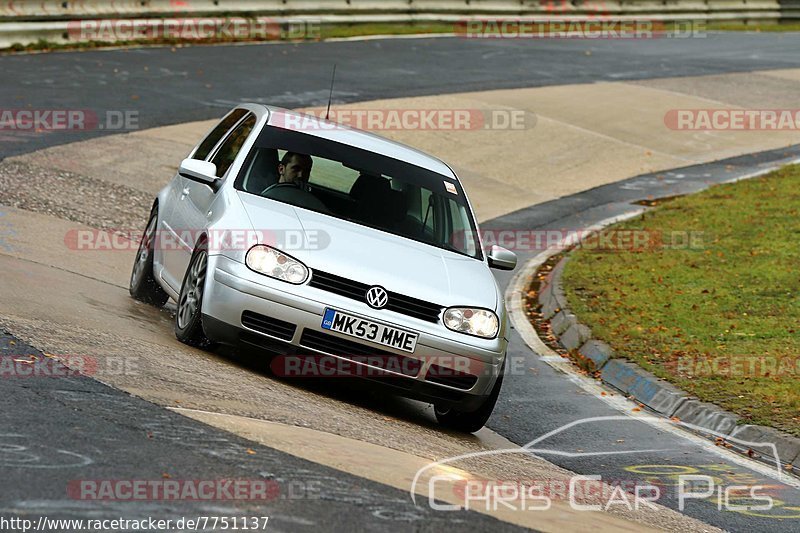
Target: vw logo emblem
{"x": 377, "y": 297}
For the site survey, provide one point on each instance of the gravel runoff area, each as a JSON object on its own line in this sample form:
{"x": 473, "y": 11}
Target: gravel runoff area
{"x": 72, "y": 197}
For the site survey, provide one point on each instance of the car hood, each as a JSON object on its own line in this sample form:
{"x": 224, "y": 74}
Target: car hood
{"x": 372, "y": 256}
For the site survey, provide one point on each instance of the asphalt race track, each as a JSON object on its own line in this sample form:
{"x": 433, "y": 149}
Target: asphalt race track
{"x": 171, "y": 86}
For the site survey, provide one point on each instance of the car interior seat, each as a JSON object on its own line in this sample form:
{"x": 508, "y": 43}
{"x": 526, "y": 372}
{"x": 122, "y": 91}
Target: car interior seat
{"x": 376, "y": 203}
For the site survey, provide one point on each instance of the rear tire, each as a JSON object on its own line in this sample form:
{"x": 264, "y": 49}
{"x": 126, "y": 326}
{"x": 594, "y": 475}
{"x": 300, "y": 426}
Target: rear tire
{"x": 143, "y": 285}
{"x": 189, "y": 316}
{"x": 469, "y": 421}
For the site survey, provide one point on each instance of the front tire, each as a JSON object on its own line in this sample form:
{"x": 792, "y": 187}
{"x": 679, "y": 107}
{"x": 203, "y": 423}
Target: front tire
{"x": 143, "y": 285}
{"x": 188, "y": 318}
{"x": 469, "y": 421}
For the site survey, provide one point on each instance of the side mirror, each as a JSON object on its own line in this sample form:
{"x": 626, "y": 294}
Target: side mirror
{"x": 502, "y": 259}
{"x": 201, "y": 172}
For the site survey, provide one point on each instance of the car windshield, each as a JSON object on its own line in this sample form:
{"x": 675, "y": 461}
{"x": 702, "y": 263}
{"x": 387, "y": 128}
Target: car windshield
{"x": 362, "y": 187}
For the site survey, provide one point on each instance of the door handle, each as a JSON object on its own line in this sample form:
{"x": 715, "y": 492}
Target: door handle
{"x": 184, "y": 193}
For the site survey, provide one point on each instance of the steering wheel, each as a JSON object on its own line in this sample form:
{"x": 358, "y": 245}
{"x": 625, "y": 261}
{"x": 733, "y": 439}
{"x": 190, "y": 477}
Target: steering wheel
{"x": 284, "y": 184}
{"x": 302, "y": 198}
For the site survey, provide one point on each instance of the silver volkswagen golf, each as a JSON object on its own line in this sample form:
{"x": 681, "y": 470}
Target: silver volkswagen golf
{"x": 336, "y": 250}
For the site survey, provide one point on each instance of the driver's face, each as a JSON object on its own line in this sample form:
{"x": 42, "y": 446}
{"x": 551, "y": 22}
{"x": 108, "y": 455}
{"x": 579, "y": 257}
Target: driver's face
{"x": 297, "y": 170}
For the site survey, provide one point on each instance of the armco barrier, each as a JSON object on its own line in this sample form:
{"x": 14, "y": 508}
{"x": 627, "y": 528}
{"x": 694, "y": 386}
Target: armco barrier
{"x": 28, "y": 21}
{"x": 38, "y": 10}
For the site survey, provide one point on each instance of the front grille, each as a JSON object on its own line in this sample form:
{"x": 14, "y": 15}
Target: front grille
{"x": 451, "y": 378}
{"x": 357, "y": 291}
{"x": 316, "y": 340}
{"x": 268, "y": 325}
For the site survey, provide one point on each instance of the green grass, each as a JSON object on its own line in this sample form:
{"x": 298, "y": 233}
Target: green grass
{"x": 763, "y": 26}
{"x": 698, "y": 316}
{"x": 327, "y": 31}
{"x": 356, "y": 30}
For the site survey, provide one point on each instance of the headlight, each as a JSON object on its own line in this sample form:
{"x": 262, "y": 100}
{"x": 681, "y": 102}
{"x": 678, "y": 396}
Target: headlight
{"x": 276, "y": 264}
{"x": 478, "y": 322}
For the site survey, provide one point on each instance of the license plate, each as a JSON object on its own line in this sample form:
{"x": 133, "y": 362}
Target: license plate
{"x": 369, "y": 330}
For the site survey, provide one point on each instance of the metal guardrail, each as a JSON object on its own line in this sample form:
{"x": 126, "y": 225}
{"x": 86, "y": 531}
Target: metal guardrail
{"x": 29, "y": 21}
{"x": 39, "y": 10}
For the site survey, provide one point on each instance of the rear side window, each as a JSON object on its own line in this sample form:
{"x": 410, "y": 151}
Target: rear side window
{"x": 216, "y": 134}
{"x": 232, "y": 145}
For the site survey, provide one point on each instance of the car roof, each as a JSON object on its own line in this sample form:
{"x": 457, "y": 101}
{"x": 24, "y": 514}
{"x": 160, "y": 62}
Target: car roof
{"x": 333, "y": 131}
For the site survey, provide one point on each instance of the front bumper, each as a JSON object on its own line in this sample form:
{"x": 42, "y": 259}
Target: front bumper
{"x": 232, "y": 289}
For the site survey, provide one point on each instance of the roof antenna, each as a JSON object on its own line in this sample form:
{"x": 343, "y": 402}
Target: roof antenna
{"x": 330, "y": 97}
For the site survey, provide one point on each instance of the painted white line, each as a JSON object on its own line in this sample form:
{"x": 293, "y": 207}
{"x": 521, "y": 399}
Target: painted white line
{"x": 517, "y": 287}
{"x": 760, "y": 172}
{"x": 613, "y": 139}
{"x": 634, "y": 83}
